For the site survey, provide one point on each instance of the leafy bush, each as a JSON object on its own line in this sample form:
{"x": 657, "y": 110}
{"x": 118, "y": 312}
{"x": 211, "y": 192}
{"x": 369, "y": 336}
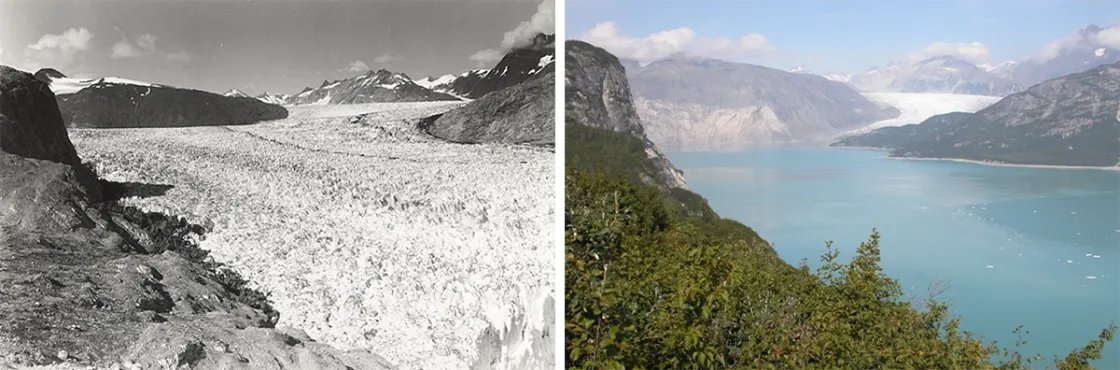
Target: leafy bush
{"x": 647, "y": 287}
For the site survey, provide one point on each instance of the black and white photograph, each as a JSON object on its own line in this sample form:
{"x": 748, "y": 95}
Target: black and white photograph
{"x": 277, "y": 184}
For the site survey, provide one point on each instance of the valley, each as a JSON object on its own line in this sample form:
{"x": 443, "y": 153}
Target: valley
{"x": 365, "y": 232}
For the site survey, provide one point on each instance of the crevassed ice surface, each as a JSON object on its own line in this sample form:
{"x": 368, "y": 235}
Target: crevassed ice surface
{"x": 1033, "y": 246}
{"x": 367, "y": 234}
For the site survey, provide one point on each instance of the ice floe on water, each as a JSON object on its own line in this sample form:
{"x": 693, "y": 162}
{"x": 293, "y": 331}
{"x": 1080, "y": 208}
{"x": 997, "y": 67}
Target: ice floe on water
{"x": 1091, "y": 277}
{"x": 991, "y": 266}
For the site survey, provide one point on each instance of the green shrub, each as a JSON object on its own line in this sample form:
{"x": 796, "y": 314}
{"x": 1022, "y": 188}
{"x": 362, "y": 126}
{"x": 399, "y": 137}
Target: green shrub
{"x": 649, "y": 288}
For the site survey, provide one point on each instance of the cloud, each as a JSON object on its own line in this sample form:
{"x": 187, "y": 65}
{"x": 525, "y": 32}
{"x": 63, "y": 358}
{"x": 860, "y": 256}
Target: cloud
{"x": 385, "y": 59}
{"x": 662, "y": 44}
{"x": 58, "y": 51}
{"x": 357, "y": 66}
{"x": 974, "y": 52}
{"x": 543, "y": 21}
{"x": 180, "y": 56}
{"x": 144, "y": 46}
{"x": 124, "y": 49}
{"x": 1109, "y": 37}
{"x": 147, "y": 42}
{"x": 486, "y": 57}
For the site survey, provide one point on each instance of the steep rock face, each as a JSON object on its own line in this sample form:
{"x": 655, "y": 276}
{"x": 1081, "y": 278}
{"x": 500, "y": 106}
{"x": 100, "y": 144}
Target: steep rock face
{"x": 1072, "y": 120}
{"x": 597, "y": 94}
{"x": 935, "y": 75}
{"x": 379, "y": 86}
{"x": 692, "y": 104}
{"x": 113, "y": 105}
{"x": 30, "y": 125}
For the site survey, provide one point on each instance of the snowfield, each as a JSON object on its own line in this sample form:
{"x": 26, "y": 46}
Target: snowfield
{"x": 365, "y": 232}
{"x": 917, "y": 107}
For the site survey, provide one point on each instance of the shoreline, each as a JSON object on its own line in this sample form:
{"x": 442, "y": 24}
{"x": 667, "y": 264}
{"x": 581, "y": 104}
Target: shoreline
{"x": 983, "y": 163}
{"x": 1001, "y": 164}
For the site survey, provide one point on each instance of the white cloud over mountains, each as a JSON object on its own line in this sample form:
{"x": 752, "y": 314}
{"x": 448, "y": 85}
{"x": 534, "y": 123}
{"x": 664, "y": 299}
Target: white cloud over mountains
{"x": 662, "y": 44}
{"x": 357, "y": 66}
{"x": 59, "y": 51}
{"x": 974, "y": 52}
{"x": 1109, "y": 37}
{"x": 543, "y": 21}
{"x": 145, "y": 45}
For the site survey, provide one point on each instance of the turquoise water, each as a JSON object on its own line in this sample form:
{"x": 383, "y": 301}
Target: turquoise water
{"x": 1032, "y": 246}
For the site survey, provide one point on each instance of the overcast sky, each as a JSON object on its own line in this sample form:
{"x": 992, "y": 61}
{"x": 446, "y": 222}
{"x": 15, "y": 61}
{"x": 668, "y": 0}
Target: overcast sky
{"x": 257, "y": 46}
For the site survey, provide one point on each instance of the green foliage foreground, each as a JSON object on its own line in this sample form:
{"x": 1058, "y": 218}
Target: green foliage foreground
{"x": 647, "y": 287}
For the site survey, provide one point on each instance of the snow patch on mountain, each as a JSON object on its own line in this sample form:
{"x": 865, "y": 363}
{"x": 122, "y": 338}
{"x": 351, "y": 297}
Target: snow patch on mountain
{"x": 62, "y": 86}
{"x": 917, "y": 107}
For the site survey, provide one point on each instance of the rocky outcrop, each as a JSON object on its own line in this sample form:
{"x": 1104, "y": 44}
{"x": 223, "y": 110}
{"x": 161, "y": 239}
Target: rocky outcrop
{"x": 87, "y": 282}
{"x": 597, "y": 94}
{"x": 516, "y": 102}
{"x": 30, "y": 125}
{"x": 699, "y": 104}
{"x": 379, "y": 86}
{"x": 521, "y": 114}
{"x": 1072, "y": 120}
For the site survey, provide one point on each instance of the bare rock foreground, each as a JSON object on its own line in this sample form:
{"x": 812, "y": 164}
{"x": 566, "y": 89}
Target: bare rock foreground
{"x": 85, "y": 282}
{"x": 366, "y": 233}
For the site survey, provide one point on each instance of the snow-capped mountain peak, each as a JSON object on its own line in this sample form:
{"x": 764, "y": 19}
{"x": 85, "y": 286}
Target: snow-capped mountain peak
{"x": 236, "y": 93}
{"x": 799, "y": 69}
{"x": 370, "y": 87}
{"x": 62, "y": 86}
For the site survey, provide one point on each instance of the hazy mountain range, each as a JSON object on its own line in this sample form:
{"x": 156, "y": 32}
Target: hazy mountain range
{"x": 698, "y": 104}
{"x": 1070, "y": 120}
{"x": 1076, "y": 52}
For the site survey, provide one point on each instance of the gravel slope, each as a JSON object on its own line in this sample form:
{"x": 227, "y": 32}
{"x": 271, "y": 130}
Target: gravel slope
{"x": 365, "y": 232}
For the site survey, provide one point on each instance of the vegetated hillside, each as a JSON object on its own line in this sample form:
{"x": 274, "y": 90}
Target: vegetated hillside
{"x": 899, "y": 136}
{"x": 381, "y": 86}
{"x": 88, "y": 282}
{"x": 515, "y": 105}
{"x": 650, "y": 285}
{"x": 1072, "y": 120}
{"x": 698, "y": 104}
